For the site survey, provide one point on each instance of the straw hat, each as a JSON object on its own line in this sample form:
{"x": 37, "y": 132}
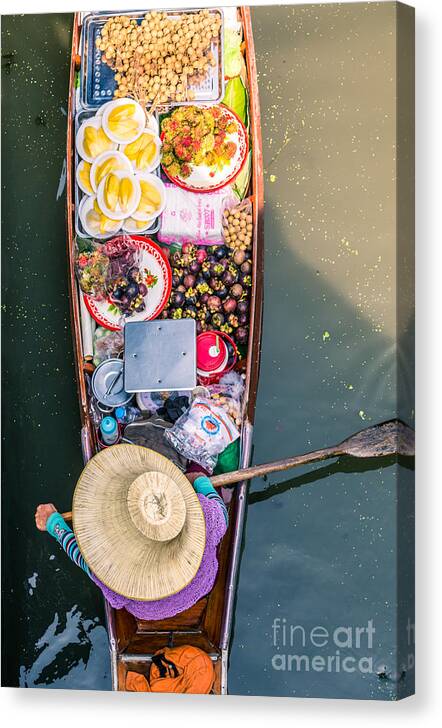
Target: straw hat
{"x": 138, "y": 523}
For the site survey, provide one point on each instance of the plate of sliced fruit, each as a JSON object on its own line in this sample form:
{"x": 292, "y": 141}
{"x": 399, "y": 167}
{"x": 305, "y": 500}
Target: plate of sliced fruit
{"x": 139, "y": 282}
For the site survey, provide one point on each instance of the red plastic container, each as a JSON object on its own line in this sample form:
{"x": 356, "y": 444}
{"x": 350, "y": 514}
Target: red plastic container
{"x": 216, "y": 355}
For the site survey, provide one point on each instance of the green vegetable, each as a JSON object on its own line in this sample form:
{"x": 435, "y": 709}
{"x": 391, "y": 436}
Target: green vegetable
{"x": 242, "y": 181}
{"x": 236, "y": 99}
{"x": 233, "y": 60}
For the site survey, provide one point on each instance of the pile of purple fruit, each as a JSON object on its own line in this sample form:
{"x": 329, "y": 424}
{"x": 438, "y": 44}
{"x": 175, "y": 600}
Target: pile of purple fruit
{"x": 127, "y": 292}
{"x": 212, "y": 285}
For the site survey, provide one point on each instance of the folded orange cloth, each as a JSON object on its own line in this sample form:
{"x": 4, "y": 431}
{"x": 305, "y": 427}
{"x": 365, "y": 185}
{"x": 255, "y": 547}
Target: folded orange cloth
{"x": 184, "y": 669}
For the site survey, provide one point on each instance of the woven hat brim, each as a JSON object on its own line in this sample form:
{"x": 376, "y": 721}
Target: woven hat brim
{"x": 114, "y": 549}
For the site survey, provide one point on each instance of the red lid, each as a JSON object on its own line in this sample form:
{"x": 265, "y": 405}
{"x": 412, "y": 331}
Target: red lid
{"x": 212, "y": 353}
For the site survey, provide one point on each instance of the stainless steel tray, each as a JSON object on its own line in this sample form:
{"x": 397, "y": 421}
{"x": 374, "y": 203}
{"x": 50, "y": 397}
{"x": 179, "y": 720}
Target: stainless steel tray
{"x": 79, "y": 194}
{"x": 97, "y": 84}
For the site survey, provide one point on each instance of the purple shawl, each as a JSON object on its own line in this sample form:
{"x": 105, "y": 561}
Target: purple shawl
{"x": 198, "y": 587}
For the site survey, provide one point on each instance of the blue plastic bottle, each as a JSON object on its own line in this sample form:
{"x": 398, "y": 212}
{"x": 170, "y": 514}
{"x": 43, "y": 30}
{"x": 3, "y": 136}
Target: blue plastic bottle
{"x": 125, "y": 415}
{"x": 109, "y": 430}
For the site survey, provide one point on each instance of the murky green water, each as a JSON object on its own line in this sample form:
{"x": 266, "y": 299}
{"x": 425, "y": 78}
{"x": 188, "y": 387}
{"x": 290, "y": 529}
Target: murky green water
{"x": 322, "y": 545}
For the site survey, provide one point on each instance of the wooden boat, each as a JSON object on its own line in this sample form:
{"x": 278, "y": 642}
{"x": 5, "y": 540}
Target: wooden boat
{"x": 208, "y": 624}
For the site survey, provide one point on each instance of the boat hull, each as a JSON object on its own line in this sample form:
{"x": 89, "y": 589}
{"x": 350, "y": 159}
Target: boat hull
{"x": 208, "y": 624}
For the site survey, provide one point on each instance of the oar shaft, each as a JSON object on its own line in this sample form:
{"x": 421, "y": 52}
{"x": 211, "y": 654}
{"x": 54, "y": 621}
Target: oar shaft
{"x": 257, "y": 471}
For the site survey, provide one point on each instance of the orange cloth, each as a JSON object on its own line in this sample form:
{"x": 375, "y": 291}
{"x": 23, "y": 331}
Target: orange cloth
{"x": 175, "y": 670}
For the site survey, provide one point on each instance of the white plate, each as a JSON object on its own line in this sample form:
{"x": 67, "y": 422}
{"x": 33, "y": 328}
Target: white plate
{"x": 138, "y": 116}
{"x": 134, "y": 201}
{"x": 125, "y": 165}
{"x": 155, "y": 161}
{"x": 79, "y": 138}
{"x": 86, "y": 205}
{"x": 80, "y": 165}
{"x": 129, "y": 225}
{"x": 159, "y": 185}
{"x": 154, "y": 261}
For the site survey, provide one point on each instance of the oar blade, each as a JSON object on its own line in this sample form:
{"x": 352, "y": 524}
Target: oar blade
{"x": 388, "y": 438}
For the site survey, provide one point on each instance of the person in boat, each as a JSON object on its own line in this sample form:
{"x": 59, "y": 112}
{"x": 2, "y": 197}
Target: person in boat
{"x": 144, "y": 532}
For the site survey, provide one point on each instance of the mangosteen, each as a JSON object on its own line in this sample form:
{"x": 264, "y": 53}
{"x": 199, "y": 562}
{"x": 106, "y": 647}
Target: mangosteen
{"x": 243, "y": 319}
{"x": 246, "y": 280}
{"x": 218, "y": 319}
{"x": 175, "y": 258}
{"x": 189, "y": 280}
{"x": 246, "y": 267}
{"x": 204, "y": 298}
{"x": 142, "y": 288}
{"x": 177, "y": 298}
{"x": 230, "y": 305}
{"x": 203, "y": 314}
{"x": 214, "y": 303}
{"x": 201, "y": 255}
{"x": 181, "y": 288}
{"x": 188, "y": 248}
{"x": 241, "y": 335}
{"x": 177, "y": 314}
{"x": 195, "y": 267}
{"x": 215, "y": 283}
{"x": 236, "y": 290}
{"x": 233, "y": 320}
{"x": 211, "y": 249}
{"x": 239, "y": 256}
{"x": 243, "y": 306}
{"x": 190, "y": 295}
{"x": 117, "y": 293}
{"x": 222, "y": 291}
{"x": 220, "y": 252}
{"x": 229, "y": 278}
{"x": 201, "y": 326}
{"x": 205, "y": 270}
{"x": 190, "y": 311}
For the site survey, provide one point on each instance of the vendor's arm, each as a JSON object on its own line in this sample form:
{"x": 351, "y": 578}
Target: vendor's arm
{"x": 48, "y": 519}
{"x": 203, "y": 485}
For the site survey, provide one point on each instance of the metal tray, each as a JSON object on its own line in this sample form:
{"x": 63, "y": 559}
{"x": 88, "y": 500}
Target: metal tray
{"x": 97, "y": 84}
{"x": 79, "y": 194}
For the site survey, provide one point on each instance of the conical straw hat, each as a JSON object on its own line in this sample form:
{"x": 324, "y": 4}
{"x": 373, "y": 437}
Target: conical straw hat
{"x": 138, "y": 522}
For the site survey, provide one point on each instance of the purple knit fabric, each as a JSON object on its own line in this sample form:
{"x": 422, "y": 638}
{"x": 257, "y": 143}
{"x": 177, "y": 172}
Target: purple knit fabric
{"x": 198, "y": 587}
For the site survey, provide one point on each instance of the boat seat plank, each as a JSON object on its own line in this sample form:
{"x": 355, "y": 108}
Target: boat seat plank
{"x": 189, "y": 619}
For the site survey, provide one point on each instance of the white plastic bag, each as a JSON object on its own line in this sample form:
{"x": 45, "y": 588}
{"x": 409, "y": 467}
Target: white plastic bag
{"x": 193, "y": 216}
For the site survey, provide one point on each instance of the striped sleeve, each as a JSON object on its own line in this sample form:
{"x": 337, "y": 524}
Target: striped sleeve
{"x": 59, "y": 529}
{"x": 204, "y": 486}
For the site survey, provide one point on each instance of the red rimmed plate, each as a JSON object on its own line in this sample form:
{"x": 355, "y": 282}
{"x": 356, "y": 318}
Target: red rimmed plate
{"x": 206, "y": 179}
{"x": 153, "y": 262}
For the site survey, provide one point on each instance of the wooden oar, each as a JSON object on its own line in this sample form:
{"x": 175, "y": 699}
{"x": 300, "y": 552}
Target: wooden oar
{"x": 383, "y": 440}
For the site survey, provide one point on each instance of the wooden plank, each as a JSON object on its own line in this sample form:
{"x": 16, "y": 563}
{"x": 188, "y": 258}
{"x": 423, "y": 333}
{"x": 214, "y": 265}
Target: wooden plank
{"x": 189, "y": 619}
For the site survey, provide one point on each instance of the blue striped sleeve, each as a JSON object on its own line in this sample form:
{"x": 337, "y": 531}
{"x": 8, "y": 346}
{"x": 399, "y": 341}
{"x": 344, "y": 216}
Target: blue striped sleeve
{"x": 204, "y": 486}
{"x": 58, "y": 528}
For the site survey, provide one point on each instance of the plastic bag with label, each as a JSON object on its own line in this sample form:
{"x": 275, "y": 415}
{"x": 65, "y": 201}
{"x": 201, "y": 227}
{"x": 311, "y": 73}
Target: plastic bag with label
{"x": 202, "y": 433}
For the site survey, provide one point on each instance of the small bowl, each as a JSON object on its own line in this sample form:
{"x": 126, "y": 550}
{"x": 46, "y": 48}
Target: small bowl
{"x": 120, "y": 214}
{"x": 138, "y": 116}
{"x": 155, "y": 161}
{"x": 125, "y": 165}
{"x": 79, "y": 139}
{"x": 80, "y": 167}
{"x": 155, "y": 182}
{"x": 86, "y": 205}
